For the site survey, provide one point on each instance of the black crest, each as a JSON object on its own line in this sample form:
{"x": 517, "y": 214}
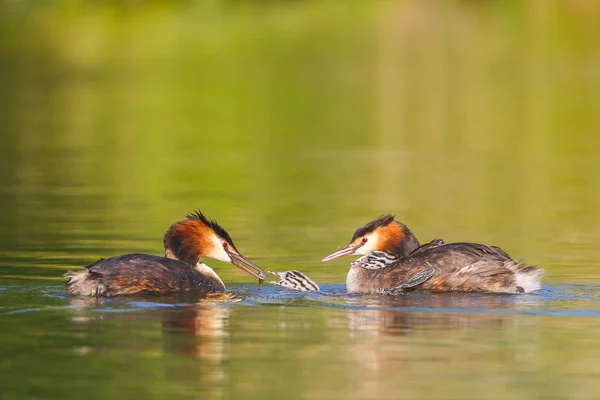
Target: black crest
{"x": 382, "y": 220}
{"x": 219, "y": 230}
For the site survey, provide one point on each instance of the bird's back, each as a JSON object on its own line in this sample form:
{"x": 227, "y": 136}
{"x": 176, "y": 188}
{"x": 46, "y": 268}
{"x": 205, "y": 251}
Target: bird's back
{"x": 453, "y": 256}
{"x": 139, "y": 273}
{"x": 471, "y": 267}
{"x": 461, "y": 266}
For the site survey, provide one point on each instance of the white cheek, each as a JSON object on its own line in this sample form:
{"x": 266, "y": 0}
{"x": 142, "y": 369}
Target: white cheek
{"x": 218, "y": 252}
{"x": 368, "y": 247}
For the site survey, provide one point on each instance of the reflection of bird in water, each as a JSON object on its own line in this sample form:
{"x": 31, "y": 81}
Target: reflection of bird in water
{"x": 178, "y": 271}
{"x": 424, "y": 343}
{"x": 393, "y": 256}
{"x": 197, "y": 331}
{"x": 194, "y": 326}
{"x": 391, "y": 320}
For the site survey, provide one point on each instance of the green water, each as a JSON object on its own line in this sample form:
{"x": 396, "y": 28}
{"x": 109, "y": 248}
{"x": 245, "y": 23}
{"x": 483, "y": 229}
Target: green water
{"x": 293, "y": 123}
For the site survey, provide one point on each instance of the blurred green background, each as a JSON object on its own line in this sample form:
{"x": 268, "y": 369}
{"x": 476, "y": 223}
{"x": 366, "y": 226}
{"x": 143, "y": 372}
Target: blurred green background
{"x": 292, "y": 123}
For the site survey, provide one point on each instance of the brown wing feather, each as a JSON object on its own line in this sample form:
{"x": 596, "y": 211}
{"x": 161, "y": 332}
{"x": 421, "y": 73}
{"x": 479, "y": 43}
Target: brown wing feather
{"x": 462, "y": 266}
{"x": 139, "y": 273}
{"x": 480, "y": 276}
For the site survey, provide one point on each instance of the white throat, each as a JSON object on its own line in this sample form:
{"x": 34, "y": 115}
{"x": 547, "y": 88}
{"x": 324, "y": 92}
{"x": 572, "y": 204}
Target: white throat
{"x": 353, "y": 279}
{"x": 209, "y": 272}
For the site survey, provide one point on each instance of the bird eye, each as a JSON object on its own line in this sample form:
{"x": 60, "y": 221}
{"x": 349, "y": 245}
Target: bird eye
{"x": 365, "y": 240}
{"x": 225, "y": 245}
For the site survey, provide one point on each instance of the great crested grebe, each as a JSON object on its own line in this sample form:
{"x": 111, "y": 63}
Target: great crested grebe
{"x": 178, "y": 271}
{"x": 392, "y": 256}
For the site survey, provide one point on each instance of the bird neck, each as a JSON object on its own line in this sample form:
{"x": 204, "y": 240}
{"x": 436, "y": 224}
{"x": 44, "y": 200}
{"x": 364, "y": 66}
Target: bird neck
{"x": 406, "y": 245}
{"x": 397, "y": 239}
{"x": 209, "y": 273}
{"x": 190, "y": 259}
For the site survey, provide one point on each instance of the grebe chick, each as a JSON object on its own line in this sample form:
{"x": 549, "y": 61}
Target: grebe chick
{"x": 178, "y": 271}
{"x": 392, "y": 256}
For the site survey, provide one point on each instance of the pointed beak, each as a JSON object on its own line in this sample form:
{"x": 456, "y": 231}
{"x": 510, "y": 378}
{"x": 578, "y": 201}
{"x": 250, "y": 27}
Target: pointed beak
{"x": 346, "y": 251}
{"x": 246, "y": 266}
